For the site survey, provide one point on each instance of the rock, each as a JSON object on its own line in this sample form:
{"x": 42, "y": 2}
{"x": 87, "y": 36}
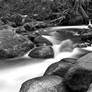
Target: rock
{"x": 35, "y": 25}
{"x": 83, "y": 45}
{"x": 76, "y": 20}
{"x": 43, "y": 84}
{"x": 79, "y": 52}
{"x": 13, "y": 45}
{"x": 4, "y": 19}
{"x": 86, "y": 58}
{"x": 29, "y": 27}
{"x": 80, "y": 37}
{"x": 42, "y": 52}
{"x": 86, "y": 36}
{"x": 86, "y": 62}
{"x": 66, "y": 45}
{"x": 72, "y": 34}
{"x": 79, "y": 77}
{"x": 1, "y": 22}
{"x": 19, "y": 51}
{"x": 20, "y": 30}
{"x": 60, "y": 68}
{"x": 27, "y": 19}
{"x": 32, "y": 36}
{"x": 90, "y": 88}
{"x": 41, "y": 41}
{"x": 14, "y": 20}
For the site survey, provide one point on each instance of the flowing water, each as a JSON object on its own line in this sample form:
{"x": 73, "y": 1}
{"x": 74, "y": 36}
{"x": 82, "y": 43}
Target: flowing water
{"x": 14, "y": 72}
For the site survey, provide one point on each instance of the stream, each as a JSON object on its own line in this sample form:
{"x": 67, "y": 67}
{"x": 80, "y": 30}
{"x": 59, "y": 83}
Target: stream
{"x": 14, "y": 72}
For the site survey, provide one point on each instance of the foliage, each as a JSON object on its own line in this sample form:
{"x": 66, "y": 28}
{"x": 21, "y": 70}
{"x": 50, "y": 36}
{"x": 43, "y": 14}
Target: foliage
{"x": 58, "y": 12}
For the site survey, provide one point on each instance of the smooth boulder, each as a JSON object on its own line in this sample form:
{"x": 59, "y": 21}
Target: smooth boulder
{"x": 43, "y": 84}
{"x": 66, "y": 45}
{"x": 41, "y": 41}
{"x": 90, "y": 88}
{"x": 60, "y": 68}
{"x": 86, "y": 58}
{"x": 42, "y": 52}
{"x": 79, "y": 77}
{"x": 13, "y": 45}
{"x": 79, "y": 53}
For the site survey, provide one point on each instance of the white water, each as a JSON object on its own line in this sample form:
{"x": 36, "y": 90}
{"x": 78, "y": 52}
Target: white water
{"x": 11, "y": 78}
{"x": 52, "y": 29}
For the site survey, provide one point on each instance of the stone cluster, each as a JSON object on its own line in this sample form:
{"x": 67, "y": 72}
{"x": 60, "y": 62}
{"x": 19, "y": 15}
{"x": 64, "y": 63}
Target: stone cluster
{"x": 67, "y": 75}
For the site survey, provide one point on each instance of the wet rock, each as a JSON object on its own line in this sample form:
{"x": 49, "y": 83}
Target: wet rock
{"x": 79, "y": 52}
{"x": 83, "y": 45}
{"x": 90, "y": 88}
{"x": 80, "y": 37}
{"x": 4, "y": 54}
{"x": 13, "y": 45}
{"x": 72, "y": 34}
{"x": 42, "y": 52}
{"x": 86, "y": 58}
{"x": 43, "y": 84}
{"x": 79, "y": 77}
{"x": 17, "y": 51}
{"x": 32, "y": 36}
{"x": 66, "y": 45}
{"x": 86, "y": 38}
{"x": 86, "y": 62}
{"x": 60, "y": 68}
{"x": 41, "y": 41}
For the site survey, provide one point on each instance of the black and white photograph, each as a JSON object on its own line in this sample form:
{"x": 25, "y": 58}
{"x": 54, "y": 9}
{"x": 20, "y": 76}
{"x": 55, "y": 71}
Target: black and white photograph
{"x": 45, "y": 45}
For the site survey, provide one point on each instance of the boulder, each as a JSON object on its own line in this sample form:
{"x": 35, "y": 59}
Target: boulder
{"x": 41, "y": 41}
{"x": 29, "y": 27}
{"x": 42, "y": 52}
{"x": 14, "y": 20}
{"x": 35, "y": 25}
{"x": 80, "y": 37}
{"x": 60, "y": 68}
{"x": 79, "y": 52}
{"x": 43, "y": 84}
{"x": 32, "y": 36}
{"x": 79, "y": 77}
{"x": 66, "y": 45}
{"x": 90, "y": 88}
{"x": 13, "y": 45}
{"x": 72, "y": 34}
{"x": 86, "y": 58}
{"x": 20, "y": 30}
